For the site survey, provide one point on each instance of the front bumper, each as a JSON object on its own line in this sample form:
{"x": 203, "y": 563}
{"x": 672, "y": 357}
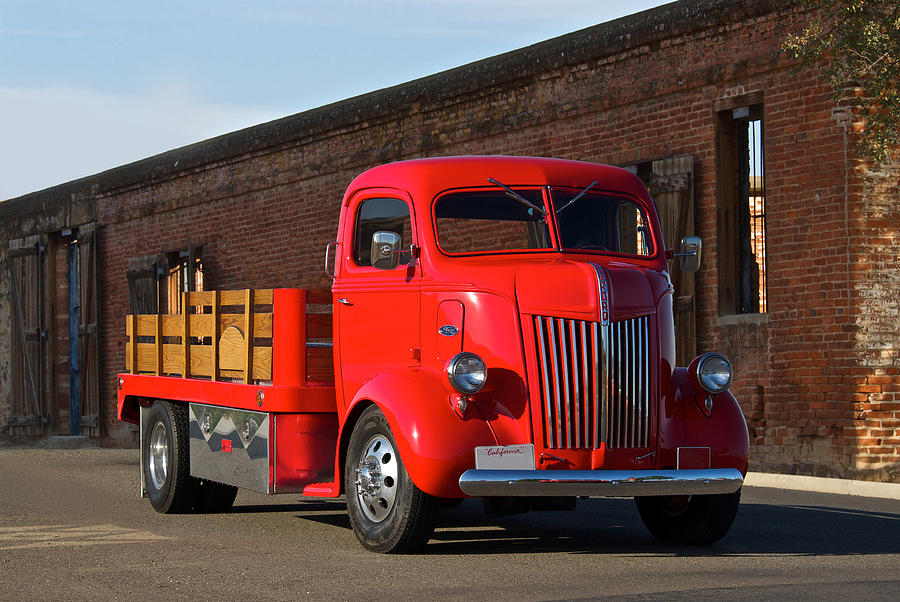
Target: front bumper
{"x": 600, "y": 483}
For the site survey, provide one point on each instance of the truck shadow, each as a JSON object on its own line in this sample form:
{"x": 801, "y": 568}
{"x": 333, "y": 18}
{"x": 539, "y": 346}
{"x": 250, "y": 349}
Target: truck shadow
{"x": 614, "y": 527}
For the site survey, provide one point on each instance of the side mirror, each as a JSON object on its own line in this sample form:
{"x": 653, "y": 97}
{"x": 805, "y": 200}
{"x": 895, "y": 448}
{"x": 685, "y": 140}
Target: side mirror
{"x": 689, "y": 254}
{"x": 385, "y": 253}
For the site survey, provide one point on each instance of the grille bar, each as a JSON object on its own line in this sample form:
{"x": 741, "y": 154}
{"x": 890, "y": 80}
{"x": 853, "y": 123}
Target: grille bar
{"x": 594, "y": 382}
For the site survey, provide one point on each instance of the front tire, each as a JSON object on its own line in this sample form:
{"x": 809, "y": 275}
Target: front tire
{"x": 166, "y": 460}
{"x": 388, "y": 512}
{"x": 690, "y": 520}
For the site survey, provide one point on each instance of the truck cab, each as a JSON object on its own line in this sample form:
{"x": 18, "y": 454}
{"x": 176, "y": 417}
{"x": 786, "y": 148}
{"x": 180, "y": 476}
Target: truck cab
{"x": 511, "y": 321}
{"x": 501, "y": 328}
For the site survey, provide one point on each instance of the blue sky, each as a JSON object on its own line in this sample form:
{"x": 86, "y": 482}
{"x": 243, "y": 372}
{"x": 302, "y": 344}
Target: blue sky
{"x": 88, "y": 85}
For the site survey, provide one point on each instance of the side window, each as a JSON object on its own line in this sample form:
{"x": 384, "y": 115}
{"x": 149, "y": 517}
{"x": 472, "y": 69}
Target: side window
{"x": 741, "y": 186}
{"x": 381, "y": 215}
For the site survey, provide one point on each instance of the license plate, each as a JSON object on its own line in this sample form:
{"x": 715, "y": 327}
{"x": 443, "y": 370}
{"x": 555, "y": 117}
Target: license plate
{"x": 505, "y": 457}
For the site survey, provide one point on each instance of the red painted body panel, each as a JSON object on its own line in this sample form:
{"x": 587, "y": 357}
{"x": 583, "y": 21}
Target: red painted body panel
{"x": 304, "y": 450}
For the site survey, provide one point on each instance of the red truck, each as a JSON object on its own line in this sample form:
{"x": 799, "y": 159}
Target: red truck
{"x": 497, "y": 327}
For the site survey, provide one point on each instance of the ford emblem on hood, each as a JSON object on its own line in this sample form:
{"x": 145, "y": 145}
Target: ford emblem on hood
{"x": 448, "y": 330}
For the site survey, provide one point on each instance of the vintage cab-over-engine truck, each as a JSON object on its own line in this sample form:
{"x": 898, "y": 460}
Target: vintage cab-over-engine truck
{"x": 497, "y": 327}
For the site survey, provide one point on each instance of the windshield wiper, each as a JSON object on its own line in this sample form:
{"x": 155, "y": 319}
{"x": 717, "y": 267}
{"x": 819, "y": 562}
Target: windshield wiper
{"x": 578, "y": 196}
{"x": 518, "y": 197}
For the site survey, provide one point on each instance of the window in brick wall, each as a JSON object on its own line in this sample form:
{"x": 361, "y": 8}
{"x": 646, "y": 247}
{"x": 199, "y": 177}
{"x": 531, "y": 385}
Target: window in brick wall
{"x": 155, "y": 282}
{"x": 741, "y": 186}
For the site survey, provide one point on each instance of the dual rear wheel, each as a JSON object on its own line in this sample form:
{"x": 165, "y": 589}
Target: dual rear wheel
{"x": 167, "y": 466}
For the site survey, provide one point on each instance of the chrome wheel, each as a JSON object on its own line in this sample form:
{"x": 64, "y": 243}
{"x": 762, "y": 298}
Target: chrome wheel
{"x": 376, "y": 478}
{"x": 158, "y": 451}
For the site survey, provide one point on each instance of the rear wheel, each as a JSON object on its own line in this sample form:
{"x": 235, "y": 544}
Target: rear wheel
{"x": 691, "y": 520}
{"x": 166, "y": 460}
{"x": 387, "y": 511}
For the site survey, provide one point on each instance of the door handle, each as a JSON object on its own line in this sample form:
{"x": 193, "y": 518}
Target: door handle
{"x": 344, "y": 301}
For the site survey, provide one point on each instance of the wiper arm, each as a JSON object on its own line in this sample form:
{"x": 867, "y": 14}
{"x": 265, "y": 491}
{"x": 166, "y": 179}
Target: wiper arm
{"x": 578, "y": 196}
{"x": 518, "y": 197}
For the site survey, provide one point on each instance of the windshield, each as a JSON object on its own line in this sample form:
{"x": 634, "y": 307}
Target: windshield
{"x": 599, "y": 222}
{"x": 493, "y": 221}
{"x": 490, "y": 221}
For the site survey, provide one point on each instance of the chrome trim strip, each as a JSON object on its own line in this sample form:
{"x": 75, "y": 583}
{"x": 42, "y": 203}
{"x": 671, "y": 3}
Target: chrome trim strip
{"x": 564, "y": 351}
{"x": 600, "y": 483}
{"x": 603, "y": 289}
{"x": 319, "y": 344}
{"x": 545, "y": 376}
{"x": 646, "y": 392}
{"x": 555, "y": 368}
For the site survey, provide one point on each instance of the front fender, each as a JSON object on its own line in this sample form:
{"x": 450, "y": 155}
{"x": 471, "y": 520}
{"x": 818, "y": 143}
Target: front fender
{"x": 435, "y": 444}
{"x": 722, "y": 428}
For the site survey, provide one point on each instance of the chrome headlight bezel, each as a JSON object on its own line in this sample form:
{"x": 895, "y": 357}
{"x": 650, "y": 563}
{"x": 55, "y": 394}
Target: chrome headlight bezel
{"x": 467, "y": 372}
{"x": 713, "y": 372}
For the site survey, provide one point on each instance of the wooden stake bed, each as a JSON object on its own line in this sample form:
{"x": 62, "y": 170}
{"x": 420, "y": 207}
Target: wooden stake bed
{"x": 264, "y": 339}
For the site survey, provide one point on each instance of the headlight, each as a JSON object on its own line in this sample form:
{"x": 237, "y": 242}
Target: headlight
{"x": 466, "y": 372}
{"x": 713, "y": 372}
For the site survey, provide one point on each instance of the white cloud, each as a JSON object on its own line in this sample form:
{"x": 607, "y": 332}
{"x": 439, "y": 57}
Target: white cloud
{"x": 56, "y": 134}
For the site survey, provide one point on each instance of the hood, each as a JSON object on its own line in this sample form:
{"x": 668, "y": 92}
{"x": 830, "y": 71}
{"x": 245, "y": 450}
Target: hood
{"x": 584, "y": 290}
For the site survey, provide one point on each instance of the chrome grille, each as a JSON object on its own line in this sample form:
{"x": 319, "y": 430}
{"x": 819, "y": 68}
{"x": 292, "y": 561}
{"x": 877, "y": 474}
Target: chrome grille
{"x": 594, "y": 382}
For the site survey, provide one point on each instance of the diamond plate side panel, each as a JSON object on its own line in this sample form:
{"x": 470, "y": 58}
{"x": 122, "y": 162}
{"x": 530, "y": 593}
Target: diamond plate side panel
{"x": 230, "y": 446}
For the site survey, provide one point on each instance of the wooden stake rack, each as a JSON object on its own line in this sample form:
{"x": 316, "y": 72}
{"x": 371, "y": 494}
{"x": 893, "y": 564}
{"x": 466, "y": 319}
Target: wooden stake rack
{"x": 227, "y": 336}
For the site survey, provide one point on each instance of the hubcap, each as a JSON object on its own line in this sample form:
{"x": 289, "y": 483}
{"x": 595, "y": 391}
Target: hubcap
{"x": 376, "y": 478}
{"x": 158, "y": 452}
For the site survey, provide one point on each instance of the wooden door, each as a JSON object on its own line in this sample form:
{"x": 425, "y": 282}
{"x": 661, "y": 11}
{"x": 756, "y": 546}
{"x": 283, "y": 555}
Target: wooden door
{"x": 28, "y": 373}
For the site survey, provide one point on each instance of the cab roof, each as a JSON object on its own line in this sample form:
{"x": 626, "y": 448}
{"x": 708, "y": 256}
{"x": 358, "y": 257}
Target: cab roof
{"x": 425, "y": 178}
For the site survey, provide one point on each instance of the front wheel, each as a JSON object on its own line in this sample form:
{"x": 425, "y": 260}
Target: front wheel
{"x": 691, "y": 520}
{"x": 388, "y": 512}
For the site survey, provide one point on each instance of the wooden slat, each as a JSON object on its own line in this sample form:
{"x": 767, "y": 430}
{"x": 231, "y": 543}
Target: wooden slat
{"x": 318, "y": 296}
{"x": 318, "y": 326}
{"x": 262, "y": 323}
{"x": 186, "y": 340}
{"x": 260, "y": 297}
{"x": 133, "y": 345}
{"x": 262, "y": 366}
{"x": 215, "y": 340}
{"x": 157, "y": 343}
{"x": 319, "y": 364}
{"x": 200, "y": 298}
{"x": 173, "y": 325}
{"x": 173, "y": 359}
{"x": 248, "y": 334}
{"x": 145, "y": 325}
{"x": 202, "y": 325}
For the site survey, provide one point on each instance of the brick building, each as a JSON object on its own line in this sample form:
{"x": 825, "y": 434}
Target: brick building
{"x": 802, "y": 252}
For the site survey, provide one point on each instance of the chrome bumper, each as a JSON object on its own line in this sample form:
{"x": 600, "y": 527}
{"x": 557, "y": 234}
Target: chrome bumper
{"x": 600, "y": 483}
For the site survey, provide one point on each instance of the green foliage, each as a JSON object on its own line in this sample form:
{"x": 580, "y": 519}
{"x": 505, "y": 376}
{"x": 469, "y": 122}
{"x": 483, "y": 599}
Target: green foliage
{"x": 860, "y": 43}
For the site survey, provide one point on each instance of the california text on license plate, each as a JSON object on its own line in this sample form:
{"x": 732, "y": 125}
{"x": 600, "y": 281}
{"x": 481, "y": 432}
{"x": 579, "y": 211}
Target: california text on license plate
{"x": 505, "y": 457}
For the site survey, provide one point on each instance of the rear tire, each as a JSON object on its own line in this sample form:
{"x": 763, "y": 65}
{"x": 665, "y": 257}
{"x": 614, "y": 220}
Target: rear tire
{"x": 690, "y": 520}
{"x": 388, "y": 512}
{"x": 166, "y": 460}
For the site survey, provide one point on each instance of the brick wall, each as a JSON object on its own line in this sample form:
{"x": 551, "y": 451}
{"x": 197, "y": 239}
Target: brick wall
{"x": 817, "y": 376}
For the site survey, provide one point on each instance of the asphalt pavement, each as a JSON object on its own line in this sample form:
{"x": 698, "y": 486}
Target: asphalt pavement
{"x": 72, "y": 526}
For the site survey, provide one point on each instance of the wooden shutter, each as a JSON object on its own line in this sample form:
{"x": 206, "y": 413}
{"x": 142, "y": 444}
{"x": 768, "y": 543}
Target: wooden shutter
{"x": 671, "y": 184}
{"x": 143, "y": 279}
{"x": 27, "y": 264}
{"x": 88, "y": 329}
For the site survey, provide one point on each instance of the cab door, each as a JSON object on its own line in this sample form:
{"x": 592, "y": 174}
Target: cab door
{"x": 377, "y": 306}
